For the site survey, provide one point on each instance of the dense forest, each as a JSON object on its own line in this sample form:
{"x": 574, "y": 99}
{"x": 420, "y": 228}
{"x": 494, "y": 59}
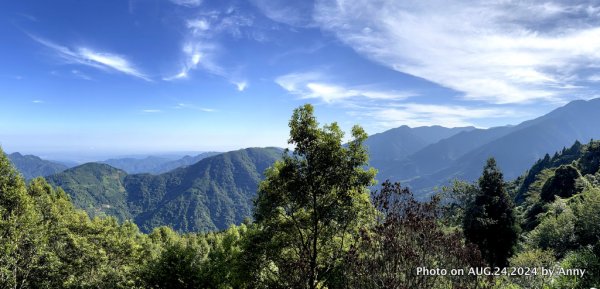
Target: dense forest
{"x": 207, "y": 196}
{"x": 317, "y": 224}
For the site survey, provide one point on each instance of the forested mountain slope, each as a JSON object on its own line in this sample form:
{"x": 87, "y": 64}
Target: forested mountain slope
{"x": 211, "y": 194}
{"x": 33, "y": 166}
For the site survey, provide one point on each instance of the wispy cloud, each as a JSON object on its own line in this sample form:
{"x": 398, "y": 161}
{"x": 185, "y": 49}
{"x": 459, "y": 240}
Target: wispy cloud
{"x": 315, "y": 85}
{"x": 493, "y": 51}
{"x": 187, "y": 3}
{"x": 89, "y": 57}
{"x": 417, "y": 114}
{"x": 80, "y": 74}
{"x": 27, "y": 16}
{"x": 193, "y": 107}
{"x": 37, "y": 101}
{"x": 299, "y": 14}
{"x": 201, "y": 48}
{"x": 241, "y": 85}
{"x": 198, "y": 54}
{"x": 151, "y": 110}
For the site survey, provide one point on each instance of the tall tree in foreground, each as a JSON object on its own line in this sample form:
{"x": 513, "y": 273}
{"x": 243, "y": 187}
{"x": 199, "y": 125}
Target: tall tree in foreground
{"x": 311, "y": 203}
{"x": 19, "y": 229}
{"x": 490, "y": 221}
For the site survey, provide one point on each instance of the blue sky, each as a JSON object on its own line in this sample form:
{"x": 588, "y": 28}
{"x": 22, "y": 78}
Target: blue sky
{"x": 141, "y": 76}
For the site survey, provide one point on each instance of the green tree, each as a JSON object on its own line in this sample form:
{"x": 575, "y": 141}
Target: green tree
{"x": 490, "y": 221}
{"x": 456, "y": 199}
{"x": 590, "y": 160}
{"x": 312, "y": 202}
{"x": 20, "y": 234}
{"x": 556, "y": 230}
{"x": 180, "y": 265}
{"x": 562, "y": 184}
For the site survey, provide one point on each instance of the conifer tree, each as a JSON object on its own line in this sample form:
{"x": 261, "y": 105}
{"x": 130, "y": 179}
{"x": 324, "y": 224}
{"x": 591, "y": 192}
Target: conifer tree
{"x": 490, "y": 221}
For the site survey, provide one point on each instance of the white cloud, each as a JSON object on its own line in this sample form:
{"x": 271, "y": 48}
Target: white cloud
{"x": 187, "y": 3}
{"x": 151, "y": 110}
{"x": 37, "y": 101}
{"x": 494, "y": 51}
{"x": 416, "y": 114}
{"x": 198, "y": 55}
{"x": 201, "y": 47}
{"x": 316, "y": 85}
{"x": 198, "y": 25}
{"x": 241, "y": 85}
{"x": 96, "y": 59}
{"x": 193, "y": 107}
{"x": 298, "y": 14}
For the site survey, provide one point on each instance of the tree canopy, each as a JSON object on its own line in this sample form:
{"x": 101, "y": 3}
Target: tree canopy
{"x": 313, "y": 201}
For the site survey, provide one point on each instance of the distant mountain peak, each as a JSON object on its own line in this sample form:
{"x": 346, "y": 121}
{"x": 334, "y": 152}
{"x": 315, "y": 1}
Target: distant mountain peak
{"x": 515, "y": 148}
{"x": 32, "y": 166}
{"x": 397, "y": 143}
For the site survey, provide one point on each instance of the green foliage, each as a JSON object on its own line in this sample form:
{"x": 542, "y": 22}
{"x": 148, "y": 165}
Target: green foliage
{"x": 209, "y": 195}
{"x": 586, "y": 208}
{"x": 589, "y": 163}
{"x": 19, "y": 229}
{"x": 315, "y": 224}
{"x": 533, "y": 258}
{"x": 533, "y": 207}
{"x": 566, "y": 156}
{"x": 458, "y": 198}
{"x": 212, "y": 260}
{"x": 180, "y": 265}
{"x": 562, "y": 184}
{"x": 96, "y": 188}
{"x": 571, "y": 228}
{"x": 490, "y": 221}
{"x": 46, "y": 243}
{"x": 587, "y": 258}
{"x": 312, "y": 201}
{"x": 556, "y": 230}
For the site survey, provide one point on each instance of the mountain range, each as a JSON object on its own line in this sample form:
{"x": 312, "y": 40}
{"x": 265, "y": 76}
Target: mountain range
{"x": 32, "y": 166}
{"x": 515, "y": 148}
{"x": 155, "y": 164}
{"x": 398, "y": 143}
{"x": 209, "y": 195}
{"x": 210, "y": 192}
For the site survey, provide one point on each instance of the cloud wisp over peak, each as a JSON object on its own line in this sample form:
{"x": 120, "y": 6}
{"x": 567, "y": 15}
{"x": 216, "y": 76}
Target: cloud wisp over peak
{"x": 417, "y": 114}
{"x": 315, "y": 85}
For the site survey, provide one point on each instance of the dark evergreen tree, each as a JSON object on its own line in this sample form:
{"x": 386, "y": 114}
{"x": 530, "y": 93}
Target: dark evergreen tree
{"x": 490, "y": 221}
